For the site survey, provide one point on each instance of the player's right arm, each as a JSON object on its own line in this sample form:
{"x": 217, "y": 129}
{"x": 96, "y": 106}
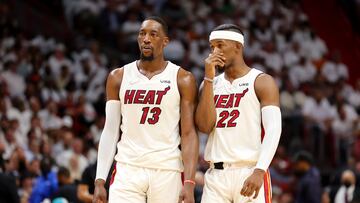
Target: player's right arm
{"x": 205, "y": 117}
{"x": 110, "y": 134}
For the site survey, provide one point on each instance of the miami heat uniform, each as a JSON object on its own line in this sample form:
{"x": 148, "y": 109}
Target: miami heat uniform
{"x": 233, "y": 147}
{"x": 148, "y": 158}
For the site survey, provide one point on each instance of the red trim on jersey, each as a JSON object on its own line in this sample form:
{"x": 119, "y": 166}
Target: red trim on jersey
{"x": 113, "y": 175}
{"x": 262, "y": 132}
{"x": 267, "y": 187}
{"x": 182, "y": 178}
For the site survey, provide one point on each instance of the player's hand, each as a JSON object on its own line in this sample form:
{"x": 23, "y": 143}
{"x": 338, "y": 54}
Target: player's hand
{"x": 99, "y": 192}
{"x": 187, "y": 194}
{"x": 215, "y": 59}
{"x": 253, "y": 183}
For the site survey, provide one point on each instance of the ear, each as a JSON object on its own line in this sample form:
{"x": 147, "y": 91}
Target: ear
{"x": 239, "y": 47}
{"x": 166, "y": 41}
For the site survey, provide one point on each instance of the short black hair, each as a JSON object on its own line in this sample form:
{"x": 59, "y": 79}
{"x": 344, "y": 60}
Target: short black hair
{"x": 304, "y": 156}
{"x": 230, "y": 27}
{"x": 161, "y": 21}
{"x": 64, "y": 172}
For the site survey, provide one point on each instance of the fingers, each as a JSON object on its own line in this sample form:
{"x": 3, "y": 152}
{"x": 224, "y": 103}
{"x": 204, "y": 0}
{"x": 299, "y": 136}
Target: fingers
{"x": 218, "y": 62}
{"x": 99, "y": 200}
{"x": 219, "y": 56}
{"x": 246, "y": 190}
{"x": 188, "y": 200}
{"x": 256, "y": 193}
{"x": 217, "y": 59}
{"x": 181, "y": 198}
{"x": 249, "y": 189}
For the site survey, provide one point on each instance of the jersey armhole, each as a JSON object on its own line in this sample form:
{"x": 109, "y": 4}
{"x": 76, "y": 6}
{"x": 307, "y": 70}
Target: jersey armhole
{"x": 177, "y": 79}
{"x": 123, "y": 79}
{"x": 261, "y": 73}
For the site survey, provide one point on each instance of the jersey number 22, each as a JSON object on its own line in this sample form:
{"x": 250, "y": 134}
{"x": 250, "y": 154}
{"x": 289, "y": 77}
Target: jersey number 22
{"x": 234, "y": 114}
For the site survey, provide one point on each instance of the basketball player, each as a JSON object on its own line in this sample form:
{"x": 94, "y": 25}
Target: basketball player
{"x": 153, "y": 100}
{"x": 232, "y": 109}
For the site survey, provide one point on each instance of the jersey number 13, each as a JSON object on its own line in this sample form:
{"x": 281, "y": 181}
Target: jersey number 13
{"x": 150, "y": 115}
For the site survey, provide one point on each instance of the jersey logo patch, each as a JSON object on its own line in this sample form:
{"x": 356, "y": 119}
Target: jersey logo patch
{"x": 145, "y": 96}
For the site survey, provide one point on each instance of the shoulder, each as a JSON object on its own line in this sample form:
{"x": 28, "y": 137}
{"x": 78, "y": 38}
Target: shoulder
{"x": 264, "y": 78}
{"x": 266, "y": 90}
{"x": 116, "y": 75}
{"x": 185, "y": 77}
{"x": 265, "y": 82}
{"x": 185, "y": 80}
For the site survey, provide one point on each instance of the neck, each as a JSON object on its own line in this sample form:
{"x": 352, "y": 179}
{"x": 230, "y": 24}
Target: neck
{"x": 151, "y": 66}
{"x": 238, "y": 69}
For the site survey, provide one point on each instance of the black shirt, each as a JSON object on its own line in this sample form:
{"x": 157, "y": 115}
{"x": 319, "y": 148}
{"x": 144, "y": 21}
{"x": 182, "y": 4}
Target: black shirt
{"x": 69, "y": 192}
{"x": 8, "y": 189}
{"x": 89, "y": 175}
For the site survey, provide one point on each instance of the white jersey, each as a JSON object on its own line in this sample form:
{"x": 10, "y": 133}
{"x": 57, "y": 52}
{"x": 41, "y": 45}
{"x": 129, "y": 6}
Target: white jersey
{"x": 150, "y": 110}
{"x": 236, "y": 136}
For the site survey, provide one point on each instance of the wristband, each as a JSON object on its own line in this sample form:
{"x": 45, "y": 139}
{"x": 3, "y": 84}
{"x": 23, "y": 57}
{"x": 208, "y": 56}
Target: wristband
{"x": 190, "y": 181}
{"x": 208, "y": 79}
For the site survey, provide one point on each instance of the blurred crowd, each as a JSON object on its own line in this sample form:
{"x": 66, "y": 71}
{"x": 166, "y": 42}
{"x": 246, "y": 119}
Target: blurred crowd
{"x": 52, "y": 93}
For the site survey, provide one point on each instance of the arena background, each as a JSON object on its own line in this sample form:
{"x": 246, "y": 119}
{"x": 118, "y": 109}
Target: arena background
{"x": 55, "y": 56}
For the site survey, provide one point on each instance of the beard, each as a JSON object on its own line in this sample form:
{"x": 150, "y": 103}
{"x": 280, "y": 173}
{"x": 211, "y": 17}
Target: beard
{"x": 347, "y": 184}
{"x": 221, "y": 68}
{"x": 146, "y": 58}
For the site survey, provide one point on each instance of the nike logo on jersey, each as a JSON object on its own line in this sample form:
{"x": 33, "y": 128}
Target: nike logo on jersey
{"x": 165, "y": 81}
{"x": 243, "y": 84}
{"x": 229, "y": 100}
{"x": 145, "y": 96}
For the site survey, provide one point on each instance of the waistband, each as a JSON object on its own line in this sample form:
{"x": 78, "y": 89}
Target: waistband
{"x": 223, "y": 165}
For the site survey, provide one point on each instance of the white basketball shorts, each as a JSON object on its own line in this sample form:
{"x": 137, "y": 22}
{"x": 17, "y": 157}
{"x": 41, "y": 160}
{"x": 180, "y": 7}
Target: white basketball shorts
{"x": 144, "y": 185}
{"x": 224, "y": 186}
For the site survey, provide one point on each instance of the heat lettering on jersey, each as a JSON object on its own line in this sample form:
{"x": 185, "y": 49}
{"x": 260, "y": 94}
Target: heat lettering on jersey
{"x": 229, "y": 100}
{"x": 145, "y": 96}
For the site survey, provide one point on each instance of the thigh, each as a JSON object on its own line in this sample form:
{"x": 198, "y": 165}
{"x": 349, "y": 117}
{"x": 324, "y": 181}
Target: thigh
{"x": 264, "y": 195}
{"x": 165, "y": 186}
{"x": 129, "y": 185}
{"x": 216, "y": 188}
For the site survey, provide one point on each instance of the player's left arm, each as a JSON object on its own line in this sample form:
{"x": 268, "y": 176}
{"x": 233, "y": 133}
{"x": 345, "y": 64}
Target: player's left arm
{"x": 189, "y": 138}
{"x": 268, "y": 95}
